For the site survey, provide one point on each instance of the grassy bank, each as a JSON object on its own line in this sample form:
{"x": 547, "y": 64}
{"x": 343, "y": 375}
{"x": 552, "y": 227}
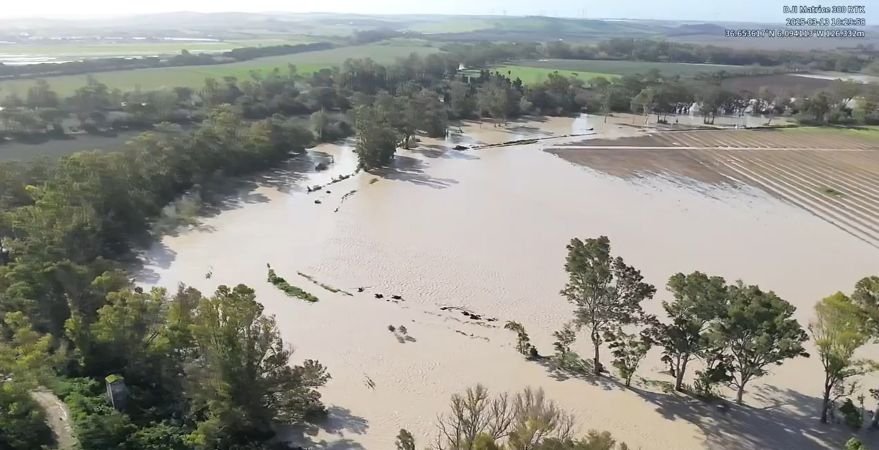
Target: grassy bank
{"x": 193, "y": 76}
{"x": 868, "y": 132}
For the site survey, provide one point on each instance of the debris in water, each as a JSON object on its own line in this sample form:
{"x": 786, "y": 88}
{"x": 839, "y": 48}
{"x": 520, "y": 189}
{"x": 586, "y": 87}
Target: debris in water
{"x": 325, "y": 286}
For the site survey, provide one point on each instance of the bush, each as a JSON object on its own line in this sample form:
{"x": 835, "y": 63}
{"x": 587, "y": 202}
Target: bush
{"x": 288, "y": 288}
{"x": 851, "y": 415}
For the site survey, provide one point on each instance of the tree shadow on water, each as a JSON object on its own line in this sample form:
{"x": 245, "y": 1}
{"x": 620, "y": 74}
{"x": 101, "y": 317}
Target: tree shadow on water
{"x": 790, "y": 422}
{"x": 411, "y": 170}
{"x": 582, "y": 370}
{"x": 338, "y": 422}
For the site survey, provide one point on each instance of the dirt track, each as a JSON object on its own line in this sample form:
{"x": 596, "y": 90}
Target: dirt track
{"x": 58, "y": 418}
{"x": 834, "y": 177}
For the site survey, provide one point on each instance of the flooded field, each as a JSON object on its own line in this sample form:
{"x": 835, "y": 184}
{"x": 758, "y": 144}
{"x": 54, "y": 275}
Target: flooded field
{"x": 834, "y": 176}
{"x": 471, "y": 239}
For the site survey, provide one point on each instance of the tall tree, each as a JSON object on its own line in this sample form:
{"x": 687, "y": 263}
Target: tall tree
{"x": 838, "y": 330}
{"x": 41, "y": 95}
{"x": 606, "y": 293}
{"x": 376, "y": 140}
{"x": 241, "y": 381}
{"x": 698, "y": 300}
{"x": 758, "y": 330}
{"x": 866, "y": 296}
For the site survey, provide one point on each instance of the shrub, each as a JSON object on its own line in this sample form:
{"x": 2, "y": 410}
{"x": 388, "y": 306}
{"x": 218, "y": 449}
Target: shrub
{"x": 851, "y": 414}
{"x": 288, "y": 288}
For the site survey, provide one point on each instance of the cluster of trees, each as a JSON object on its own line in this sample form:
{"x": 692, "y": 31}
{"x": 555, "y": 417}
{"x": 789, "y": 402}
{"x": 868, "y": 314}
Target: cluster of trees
{"x": 206, "y": 373}
{"x": 736, "y": 332}
{"x": 185, "y": 58}
{"x": 201, "y": 373}
{"x": 527, "y": 420}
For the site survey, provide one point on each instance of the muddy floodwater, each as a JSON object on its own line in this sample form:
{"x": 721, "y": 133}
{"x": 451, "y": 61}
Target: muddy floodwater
{"x": 471, "y": 239}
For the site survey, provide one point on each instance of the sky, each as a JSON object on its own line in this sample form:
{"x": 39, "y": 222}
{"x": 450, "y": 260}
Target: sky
{"x": 707, "y": 10}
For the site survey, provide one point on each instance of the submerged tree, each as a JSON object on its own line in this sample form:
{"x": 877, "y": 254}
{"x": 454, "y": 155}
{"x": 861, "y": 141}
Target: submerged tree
{"x": 405, "y": 441}
{"x": 606, "y": 292}
{"x": 523, "y": 342}
{"x": 866, "y": 296}
{"x": 376, "y": 140}
{"x": 628, "y": 351}
{"x": 565, "y": 358}
{"x": 757, "y": 330}
{"x": 698, "y": 301}
{"x": 838, "y": 331}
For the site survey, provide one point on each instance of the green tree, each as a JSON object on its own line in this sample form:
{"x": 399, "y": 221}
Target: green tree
{"x": 758, "y": 330}
{"x": 698, "y": 301}
{"x": 405, "y": 441}
{"x": 25, "y": 361}
{"x": 606, "y": 293}
{"x": 320, "y": 121}
{"x": 462, "y": 102}
{"x": 376, "y": 140}
{"x": 854, "y": 444}
{"x": 241, "y": 381}
{"x": 866, "y": 296}
{"x": 41, "y": 95}
{"x": 565, "y": 357}
{"x": 628, "y": 351}
{"x": 838, "y": 331}
{"x": 523, "y": 342}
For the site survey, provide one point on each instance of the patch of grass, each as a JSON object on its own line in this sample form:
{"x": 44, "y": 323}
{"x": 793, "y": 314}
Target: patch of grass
{"x": 288, "y": 288}
{"x": 193, "y": 76}
{"x": 534, "y": 75}
{"x": 866, "y": 132}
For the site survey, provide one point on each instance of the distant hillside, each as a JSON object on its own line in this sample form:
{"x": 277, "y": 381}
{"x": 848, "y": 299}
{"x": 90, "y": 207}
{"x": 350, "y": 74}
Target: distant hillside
{"x": 234, "y": 25}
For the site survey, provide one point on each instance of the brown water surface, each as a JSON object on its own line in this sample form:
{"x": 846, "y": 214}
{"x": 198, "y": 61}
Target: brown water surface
{"x": 486, "y": 230}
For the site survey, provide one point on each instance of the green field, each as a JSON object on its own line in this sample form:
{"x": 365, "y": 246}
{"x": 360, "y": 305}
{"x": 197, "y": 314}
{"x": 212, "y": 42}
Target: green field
{"x": 534, "y": 75}
{"x": 867, "y": 132}
{"x": 193, "y": 76}
{"x": 452, "y": 25}
{"x": 629, "y": 67}
{"x": 66, "y": 51}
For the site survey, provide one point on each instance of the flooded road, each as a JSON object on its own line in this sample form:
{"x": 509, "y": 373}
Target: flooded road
{"x": 486, "y": 231}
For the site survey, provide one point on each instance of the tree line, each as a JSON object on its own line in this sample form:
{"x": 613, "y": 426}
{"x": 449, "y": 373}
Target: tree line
{"x": 735, "y": 331}
{"x": 654, "y": 50}
{"x": 208, "y": 373}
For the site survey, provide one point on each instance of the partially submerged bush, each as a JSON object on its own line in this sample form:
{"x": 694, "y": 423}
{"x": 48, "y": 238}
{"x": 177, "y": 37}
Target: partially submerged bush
{"x": 288, "y": 288}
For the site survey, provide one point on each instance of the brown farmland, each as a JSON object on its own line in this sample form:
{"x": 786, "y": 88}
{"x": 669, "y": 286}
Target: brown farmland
{"x": 833, "y": 176}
